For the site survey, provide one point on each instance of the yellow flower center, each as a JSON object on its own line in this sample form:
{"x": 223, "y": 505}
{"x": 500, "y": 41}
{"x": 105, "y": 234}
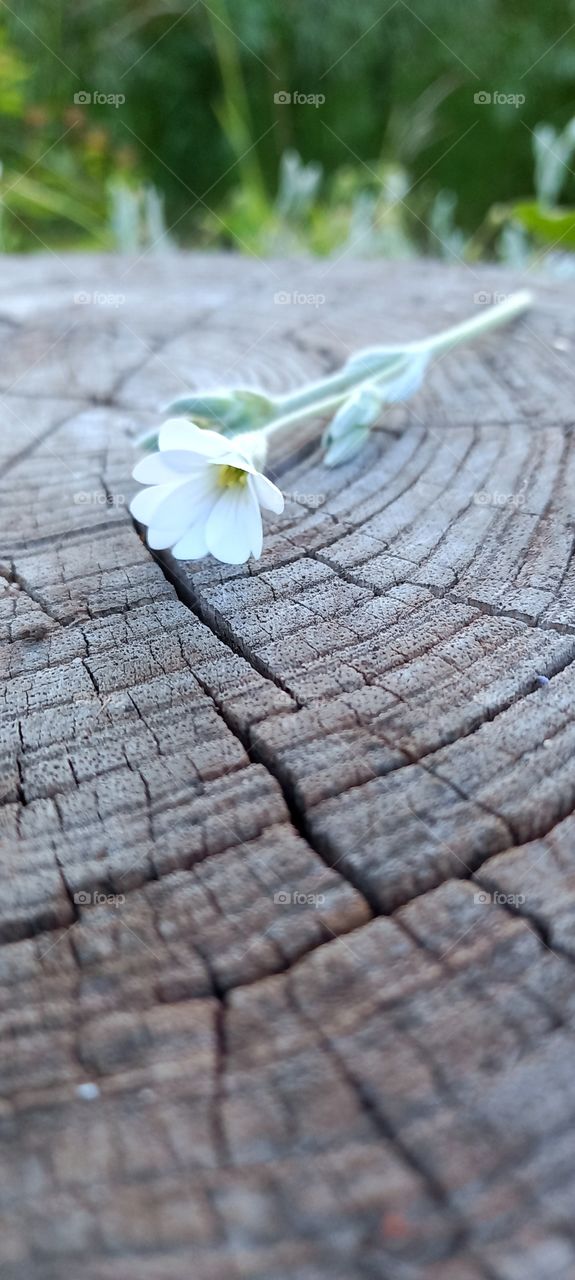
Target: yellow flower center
{"x": 231, "y": 477}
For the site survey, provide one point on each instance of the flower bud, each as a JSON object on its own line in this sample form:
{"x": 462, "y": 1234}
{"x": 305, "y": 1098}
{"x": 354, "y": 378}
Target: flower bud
{"x": 226, "y": 411}
{"x": 346, "y": 447}
{"x": 359, "y": 410}
{"x": 406, "y": 381}
{"x": 349, "y": 429}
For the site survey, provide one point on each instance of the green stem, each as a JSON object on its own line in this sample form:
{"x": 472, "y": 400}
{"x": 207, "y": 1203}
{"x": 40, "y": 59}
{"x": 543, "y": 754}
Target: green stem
{"x": 328, "y": 393}
{"x": 318, "y": 398}
{"x": 310, "y": 407}
{"x": 489, "y": 318}
{"x": 337, "y": 384}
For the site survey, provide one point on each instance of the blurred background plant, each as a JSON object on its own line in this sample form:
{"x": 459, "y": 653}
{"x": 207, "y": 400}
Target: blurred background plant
{"x": 405, "y": 155}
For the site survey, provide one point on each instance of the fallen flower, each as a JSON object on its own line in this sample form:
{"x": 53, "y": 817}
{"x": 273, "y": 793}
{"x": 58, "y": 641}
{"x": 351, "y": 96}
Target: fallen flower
{"x": 204, "y": 494}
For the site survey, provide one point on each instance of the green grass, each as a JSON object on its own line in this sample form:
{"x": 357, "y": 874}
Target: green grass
{"x": 398, "y": 159}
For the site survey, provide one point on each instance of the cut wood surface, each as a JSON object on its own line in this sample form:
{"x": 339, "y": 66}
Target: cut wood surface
{"x": 286, "y": 962}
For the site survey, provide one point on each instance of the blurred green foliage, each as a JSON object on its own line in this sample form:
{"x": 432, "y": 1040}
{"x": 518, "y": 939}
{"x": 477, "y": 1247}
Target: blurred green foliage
{"x": 400, "y": 158}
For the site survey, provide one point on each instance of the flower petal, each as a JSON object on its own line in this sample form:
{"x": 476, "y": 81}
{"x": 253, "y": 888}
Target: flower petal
{"x": 177, "y": 434}
{"x": 193, "y": 544}
{"x": 234, "y": 459}
{"x": 257, "y": 536}
{"x": 159, "y": 539}
{"x": 267, "y": 494}
{"x": 161, "y": 468}
{"x": 177, "y": 512}
{"x": 145, "y": 503}
{"x": 234, "y": 526}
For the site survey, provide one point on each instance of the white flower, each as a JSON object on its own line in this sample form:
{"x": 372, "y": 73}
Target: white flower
{"x": 204, "y": 495}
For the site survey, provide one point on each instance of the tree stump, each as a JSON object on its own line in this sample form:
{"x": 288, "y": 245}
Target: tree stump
{"x": 287, "y": 951}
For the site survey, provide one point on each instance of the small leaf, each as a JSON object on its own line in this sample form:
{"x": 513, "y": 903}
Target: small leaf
{"x": 547, "y": 225}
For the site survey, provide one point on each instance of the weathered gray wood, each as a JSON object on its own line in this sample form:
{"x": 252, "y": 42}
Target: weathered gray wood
{"x": 376, "y": 1079}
